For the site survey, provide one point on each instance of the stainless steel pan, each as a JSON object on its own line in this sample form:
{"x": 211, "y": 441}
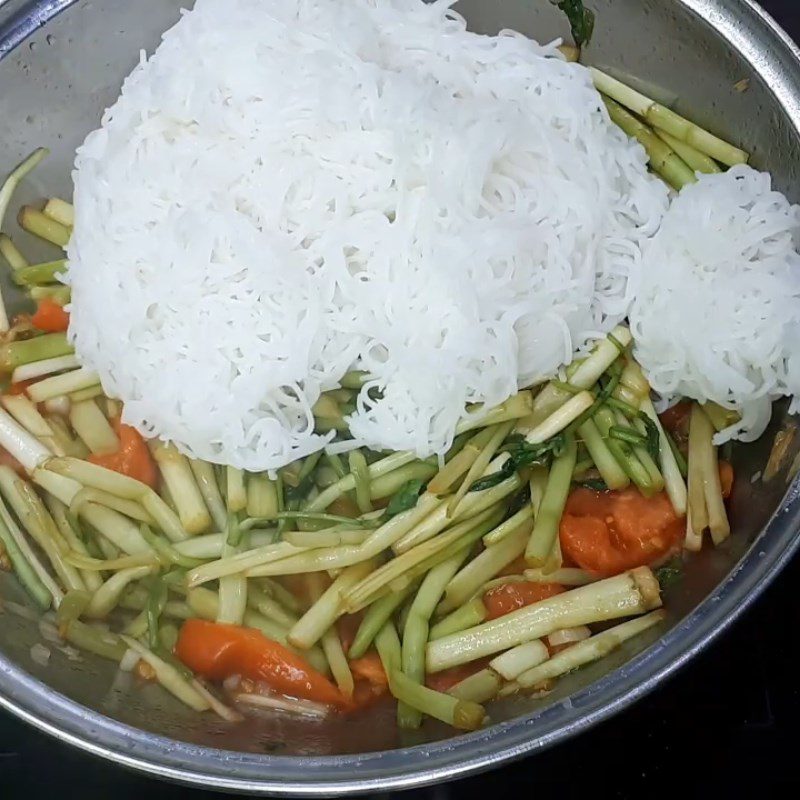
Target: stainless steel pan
{"x": 63, "y": 64}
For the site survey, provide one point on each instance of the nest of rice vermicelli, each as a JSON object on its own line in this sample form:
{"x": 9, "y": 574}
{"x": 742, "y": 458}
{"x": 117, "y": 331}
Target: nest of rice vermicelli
{"x": 289, "y": 189}
{"x": 716, "y": 314}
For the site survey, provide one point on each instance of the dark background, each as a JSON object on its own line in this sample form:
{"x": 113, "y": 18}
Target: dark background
{"x": 724, "y": 724}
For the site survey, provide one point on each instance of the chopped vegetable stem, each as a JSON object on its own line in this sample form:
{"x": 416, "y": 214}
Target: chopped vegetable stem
{"x": 484, "y": 567}
{"x": 417, "y": 627}
{"x": 545, "y": 529}
{"x": 33, "y": 221}
{"x": 591, "y": 649}
{"x": 662, "y": 158}
{"x": 624, "y": 595}
{"x": 660, "y": 117}
{"x": 466, "y": 616}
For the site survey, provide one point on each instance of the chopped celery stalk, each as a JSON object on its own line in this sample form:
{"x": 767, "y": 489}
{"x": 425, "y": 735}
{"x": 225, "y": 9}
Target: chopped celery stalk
{"x": 35, "y": 222}
{"x": 16, "y": 175}
{"x": 60, "y": 210}
{"x": 39, "y": 348}
{"x": 38, "y": 274}
{"x": 545, "y": 529}
{"x": 624, "y": 595}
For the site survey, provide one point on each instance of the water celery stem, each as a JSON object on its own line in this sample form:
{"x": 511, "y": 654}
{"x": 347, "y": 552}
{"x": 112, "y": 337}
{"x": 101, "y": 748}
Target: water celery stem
{"x": 480, "y": 687}
{"x": 563, "y": 416}
{"x": 698, "y": 432}
{"x": 39, "y": 348}
{"x": 130, "y": 508}
{"x": 260, "y": 601}
{"x": 622, "y": 452}
{"x": 72, "y": 607}
{"x": 608, "y": 467}
{"x": 720, "y": 417}
{"x": 25, "y": 565}
{"x": 361, "y": 479}
{"x": 460, "y": 463}
{"x": 484, "y": 567}
{"x": 262, "y": 496}
{"x": 11, "y": 253}
{"x": 461, "y": 714}
{"x": 33, "y": 221}
{"x": 27, "y": 415}
{"x": 511, "y": 664}
{"x": 169, "y": 677}
{"x": 330, "y": 642}
{"x": 326, "y": 558}
{"x": 517, "y": 407}
{"x": 232, "y": 593}
{"x": 117, "y": 528}
{"x": 479, "y": 465}
{"x": 105, "y": 599}
{"x": 48, "y": 366}
{"x": 509, "y": 526}
{"x": 545, "y": 529}
{"x": 466, "y": 616}
{"x": 567, "y": 576}
{"x": 97, "y": 477}
{"x": 308, "y": 630}
{"x": 348, "y": 482}
{"x": 704, "y": 469}
{"x": 20, "y": 443}
{"x": 694, "y": 159}
{"x": 179, "y": 479}
{"x": 670, "y": 468}
{"x": 662, "y": 158}
{"x": 209, "y": 488}
{"x": 376, "y": 615}
{"x": 462, "y": 533}
{"x": 235, "y": 491}
{"x": 91, "y": 425}
{"x": 661, "y": 117}
{"x": 65, "y": 383}
{"x": 16, "y": 175}
{"x": 166, "y": 551}
{"x": 585, "y": 375}
{"x": 387, "y": 643}
{"x": 36, "y": 520}
{"x": 630, "y": 593}
{"x": 38, "y": 274}
{"x": 329, "y": 537}
{"x": 473, "y": 503}
{"x": 417, "y": 627}
{"x": 94, "y": 640}
{"x": 591, "y": 649}
{"x": 61, "y": 295}
{"x": 60, "y": 210}
{"x": 204, "y": 603}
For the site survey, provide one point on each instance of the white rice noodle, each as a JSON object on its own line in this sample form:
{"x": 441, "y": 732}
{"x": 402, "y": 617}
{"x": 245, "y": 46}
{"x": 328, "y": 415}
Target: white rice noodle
{"x": 717, "y": 309}
{"x": 288, "y": 189}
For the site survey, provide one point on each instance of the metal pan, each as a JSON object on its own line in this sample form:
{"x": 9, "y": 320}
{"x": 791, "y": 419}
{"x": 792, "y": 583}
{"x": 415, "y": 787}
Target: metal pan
{"x": 62, "y": 64}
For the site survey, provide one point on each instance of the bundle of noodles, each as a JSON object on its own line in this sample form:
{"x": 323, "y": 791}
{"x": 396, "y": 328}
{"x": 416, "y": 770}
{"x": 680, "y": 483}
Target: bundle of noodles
{"x": 356, "y": 184}
{"x": 717, "y": 309}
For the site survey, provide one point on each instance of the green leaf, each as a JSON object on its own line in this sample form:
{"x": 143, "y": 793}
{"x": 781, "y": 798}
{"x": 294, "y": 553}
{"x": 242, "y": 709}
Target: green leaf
{"x": 522, "y": 454}
{"x": 596, "y": 484}
{"x": 581, "y": 20}
{"x": 670, "y": 574}
{"x": 653, "y": 437}
{"x": 405, "y": 498}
